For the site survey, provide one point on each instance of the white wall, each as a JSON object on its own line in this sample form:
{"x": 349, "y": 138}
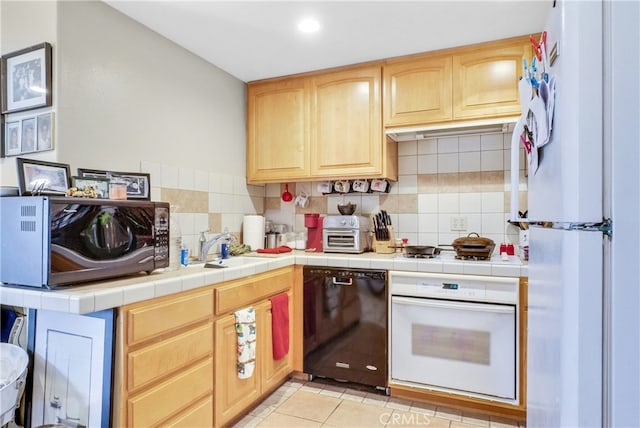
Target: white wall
{"x": 128, "y": 95}
{"x": 124, "y": 94}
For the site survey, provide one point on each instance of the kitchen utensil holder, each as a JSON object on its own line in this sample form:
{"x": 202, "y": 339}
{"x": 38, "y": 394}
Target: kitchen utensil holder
{"x": 385, "y": 247}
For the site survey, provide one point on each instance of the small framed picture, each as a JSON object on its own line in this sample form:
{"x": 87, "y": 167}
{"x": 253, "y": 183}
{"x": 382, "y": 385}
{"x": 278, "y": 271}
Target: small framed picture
{"x": 100, "y": 185}
{"x": 12, "y": 143}
{"x": 42, "y": 178}
{"x": 138, "y": 183}
{"x": 28, "y": 137}
{"x": 27, "y": 133}
{"x": 44, "y": 132}
{"x": 26, "y": 79}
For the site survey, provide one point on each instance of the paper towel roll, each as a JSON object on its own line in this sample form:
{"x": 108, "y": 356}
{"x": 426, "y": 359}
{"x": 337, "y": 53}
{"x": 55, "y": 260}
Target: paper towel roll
{"x": 253, "y": 231}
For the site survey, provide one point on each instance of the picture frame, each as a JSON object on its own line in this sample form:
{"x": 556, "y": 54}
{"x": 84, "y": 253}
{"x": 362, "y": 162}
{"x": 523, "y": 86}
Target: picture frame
{"x": 138, "y": 183}
{"x": 37, "y": 177}
{"x": 72, "y": 367}
{"x": 26, "y": 133}
{"x": 100, "y": 185}
{"x": 26, "y": 78}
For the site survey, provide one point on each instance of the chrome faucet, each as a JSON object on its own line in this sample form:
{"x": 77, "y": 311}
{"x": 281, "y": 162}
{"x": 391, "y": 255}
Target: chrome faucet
{"x": 205, "y": 245}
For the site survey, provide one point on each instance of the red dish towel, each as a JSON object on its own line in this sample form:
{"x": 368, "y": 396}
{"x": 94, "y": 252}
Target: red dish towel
{"x": 280, "y": 325}
{"x": 277, "y": 250}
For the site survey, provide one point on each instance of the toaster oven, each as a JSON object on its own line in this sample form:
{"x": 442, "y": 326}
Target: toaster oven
{"x": 345, "y": 234}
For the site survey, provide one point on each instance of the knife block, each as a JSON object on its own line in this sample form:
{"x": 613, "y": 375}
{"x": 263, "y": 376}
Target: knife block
{"x": 385, "y": 247}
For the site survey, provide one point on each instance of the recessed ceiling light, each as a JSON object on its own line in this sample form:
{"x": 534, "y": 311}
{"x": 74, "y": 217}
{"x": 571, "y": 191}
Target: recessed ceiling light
{"x": 309, "y": 25}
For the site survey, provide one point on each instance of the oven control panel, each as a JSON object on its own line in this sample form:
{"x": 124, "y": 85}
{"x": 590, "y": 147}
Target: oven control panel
{"x": 454, "y": 287}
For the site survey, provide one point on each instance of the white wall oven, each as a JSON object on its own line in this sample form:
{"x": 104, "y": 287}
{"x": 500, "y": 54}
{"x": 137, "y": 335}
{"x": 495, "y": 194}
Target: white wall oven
{"x": 455, "y": 333}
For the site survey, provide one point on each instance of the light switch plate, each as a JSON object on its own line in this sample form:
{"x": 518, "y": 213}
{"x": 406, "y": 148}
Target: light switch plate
{"x": 458, "y": 223}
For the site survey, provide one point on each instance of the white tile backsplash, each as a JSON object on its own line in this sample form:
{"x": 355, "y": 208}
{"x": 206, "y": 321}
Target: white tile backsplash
{"x": 232, "y": 197}
{"x": 407, "y": 184}
{"x": 470, "y": 202}
{"x": 170, "y": 177}
{"x": 448, "y": 145}
{"x": 491, "y": 160}
{"x": 469, "y": 161}
{"x": 428, "y": 147}
{"x": 407, "y": 223}
{"x": 408, "y": 148}
{"x": 408, "y": 164}
{"x": 201, "y": 181}
{"x": 469, "y": 143}
{"x": 448, "y": 203}
{"x": 493, "y": 223}
{"x": 428, "y": 223}
{"x": 491, "y": 142}
{"x": 447, "y": 163}
{"x": 428, "y": 203}
{"x": 492, "y": 202}
{"x": 186, "y": 179}
{"x": 428, "y": 164}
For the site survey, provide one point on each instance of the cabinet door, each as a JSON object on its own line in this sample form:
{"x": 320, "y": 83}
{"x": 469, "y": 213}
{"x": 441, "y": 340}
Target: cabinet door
{"x": 417, "y": 91}
{"x": 485, "y": 80}
{"x": 232, "y": 394}
{"x": 277, "y": 130}
{"x": 273, "y": 371}
{"x": 346, "y": 123}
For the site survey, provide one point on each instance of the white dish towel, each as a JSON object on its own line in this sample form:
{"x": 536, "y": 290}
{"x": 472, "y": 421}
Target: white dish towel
{"x": 246, "y": 332}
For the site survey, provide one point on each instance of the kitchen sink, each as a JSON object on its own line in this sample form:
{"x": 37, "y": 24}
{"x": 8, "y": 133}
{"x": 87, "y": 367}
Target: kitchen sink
{"x": 222, "y": 263}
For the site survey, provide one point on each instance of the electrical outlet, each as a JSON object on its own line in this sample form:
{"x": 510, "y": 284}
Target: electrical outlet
{"x": 458, "y": 223}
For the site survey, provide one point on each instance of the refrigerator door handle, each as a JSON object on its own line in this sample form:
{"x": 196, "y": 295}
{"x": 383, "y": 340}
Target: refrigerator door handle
{"x": 605, "y": 226}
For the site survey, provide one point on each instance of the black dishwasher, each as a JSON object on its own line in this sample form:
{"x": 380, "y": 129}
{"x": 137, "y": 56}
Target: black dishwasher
{"x": 345, "y": 325}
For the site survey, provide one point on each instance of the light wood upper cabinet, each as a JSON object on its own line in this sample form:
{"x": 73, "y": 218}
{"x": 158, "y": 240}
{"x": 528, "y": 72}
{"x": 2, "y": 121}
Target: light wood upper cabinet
{"x": 346, "y": 125}
{"x": 277, "y": 130}
{"x": 485, "y": 80}
{"x": 324, "y": 125}
{"x": 418, "y": 90}
{"x": 472, "y": 82}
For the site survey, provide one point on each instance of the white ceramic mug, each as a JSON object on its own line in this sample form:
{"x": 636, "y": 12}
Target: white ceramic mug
{"x": 302, "y": 200}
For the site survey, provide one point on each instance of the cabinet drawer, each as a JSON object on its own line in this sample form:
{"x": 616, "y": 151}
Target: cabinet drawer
{"x": 149, "y": 320}
{"x": 152, "y": 362}
{"x": 172, "y": 396}
{"x": 243, "y": 292}
{"x": 200, "y": 416}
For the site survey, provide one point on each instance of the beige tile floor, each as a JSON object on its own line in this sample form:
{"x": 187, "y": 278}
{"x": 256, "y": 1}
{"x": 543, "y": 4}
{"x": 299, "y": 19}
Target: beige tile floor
{"x": 310, "y": 404}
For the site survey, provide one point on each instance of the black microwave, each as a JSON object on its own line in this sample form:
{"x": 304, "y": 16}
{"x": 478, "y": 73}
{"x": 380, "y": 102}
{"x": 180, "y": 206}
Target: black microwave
{"x": 58, "y": 241}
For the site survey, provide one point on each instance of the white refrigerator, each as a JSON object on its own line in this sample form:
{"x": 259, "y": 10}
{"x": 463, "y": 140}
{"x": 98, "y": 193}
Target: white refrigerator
{"x": 583, "y": 327}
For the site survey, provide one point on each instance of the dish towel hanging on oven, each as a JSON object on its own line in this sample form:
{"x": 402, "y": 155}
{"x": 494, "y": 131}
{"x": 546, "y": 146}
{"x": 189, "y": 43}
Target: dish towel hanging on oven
{"x": 246, "y": 333}
{"x": 280, "y": 325}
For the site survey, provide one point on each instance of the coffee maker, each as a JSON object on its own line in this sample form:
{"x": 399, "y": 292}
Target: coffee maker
{"x": 313, "y": 223}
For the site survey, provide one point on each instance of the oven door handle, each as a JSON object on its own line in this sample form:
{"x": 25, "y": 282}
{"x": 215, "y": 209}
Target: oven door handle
{"x": 336, "y": 281}
{"x": 462, "y": 306}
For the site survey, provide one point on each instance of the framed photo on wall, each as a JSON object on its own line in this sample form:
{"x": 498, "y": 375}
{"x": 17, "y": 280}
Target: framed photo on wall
{"x": 26, "y": 79}
{"x": 27, "y": 133}
{"x": 37, "y": 177}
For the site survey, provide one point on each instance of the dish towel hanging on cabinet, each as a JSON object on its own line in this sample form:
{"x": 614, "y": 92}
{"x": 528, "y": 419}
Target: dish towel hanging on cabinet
{"x": 246, "y": 333}
{"x": 280, "y": 325}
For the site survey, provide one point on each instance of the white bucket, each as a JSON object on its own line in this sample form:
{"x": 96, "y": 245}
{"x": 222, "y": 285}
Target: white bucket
{"x": 13, "y": 373}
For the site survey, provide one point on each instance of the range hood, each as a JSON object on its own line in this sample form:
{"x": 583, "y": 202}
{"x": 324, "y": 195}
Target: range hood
{"x": 485, "y": 126}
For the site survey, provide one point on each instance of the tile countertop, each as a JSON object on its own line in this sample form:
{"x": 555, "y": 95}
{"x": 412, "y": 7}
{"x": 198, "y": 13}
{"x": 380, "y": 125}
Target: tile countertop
{"x": 92, "y": 297}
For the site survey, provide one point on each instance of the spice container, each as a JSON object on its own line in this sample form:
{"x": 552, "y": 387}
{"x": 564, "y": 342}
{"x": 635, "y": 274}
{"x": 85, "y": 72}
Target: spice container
{"x": 117, "y": 189}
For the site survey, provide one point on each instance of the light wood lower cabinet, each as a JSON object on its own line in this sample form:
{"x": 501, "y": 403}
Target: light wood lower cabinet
{"x": 164, "y": 361}
{"x": 175, "y": 362}
{"x": 234, "y": 395}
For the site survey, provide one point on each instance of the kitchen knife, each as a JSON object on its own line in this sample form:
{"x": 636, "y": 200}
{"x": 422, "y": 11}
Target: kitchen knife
{"x": 375, "y": 227}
